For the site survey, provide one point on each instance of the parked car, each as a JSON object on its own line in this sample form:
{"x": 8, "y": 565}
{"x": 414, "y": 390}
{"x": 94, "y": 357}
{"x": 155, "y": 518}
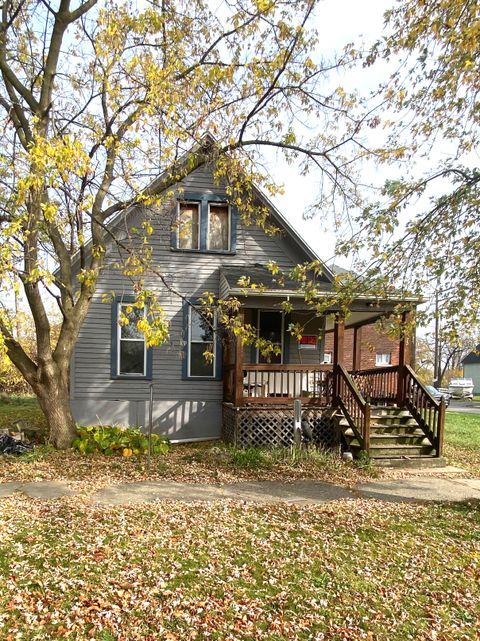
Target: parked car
{"x": 438, "y": 395}
{"x": 461, "y": 388}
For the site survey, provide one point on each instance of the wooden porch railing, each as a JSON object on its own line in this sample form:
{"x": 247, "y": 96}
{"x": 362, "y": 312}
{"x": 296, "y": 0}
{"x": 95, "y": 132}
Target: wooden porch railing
{"x": 355, "y": 408}
{"x": 378, "y": 385}
{"x": 428, "y": 412}
{"x": 321, "y": 385}
{"x": 277, "y": 384}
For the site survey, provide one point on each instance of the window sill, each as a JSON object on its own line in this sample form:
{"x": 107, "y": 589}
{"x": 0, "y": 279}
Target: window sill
{"x": 207, "y": 379}
{"x": 221, "y": 252}
{"x": 130, "y": 377}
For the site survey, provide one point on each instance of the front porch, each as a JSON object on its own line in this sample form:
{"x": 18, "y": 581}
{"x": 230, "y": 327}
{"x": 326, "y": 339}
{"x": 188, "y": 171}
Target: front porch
{"x": 384, "y": 411}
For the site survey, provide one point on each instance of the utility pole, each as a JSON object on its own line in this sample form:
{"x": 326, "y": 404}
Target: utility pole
{"x": 437, "y": 360}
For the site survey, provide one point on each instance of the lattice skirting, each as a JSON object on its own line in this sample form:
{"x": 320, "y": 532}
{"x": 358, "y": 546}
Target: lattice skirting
{"x": 273, "y": 426}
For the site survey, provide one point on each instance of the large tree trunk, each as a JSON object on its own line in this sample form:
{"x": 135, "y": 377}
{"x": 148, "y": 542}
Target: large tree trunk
{"x": 54, "y": 398}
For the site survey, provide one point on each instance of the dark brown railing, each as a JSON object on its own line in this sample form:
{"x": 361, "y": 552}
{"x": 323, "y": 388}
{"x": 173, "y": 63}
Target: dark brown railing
{"x": 377, "y": 385}
{"x": 429, "y": 413}
{"x": 274, "y": 384}
{"x": 355, "y": 408}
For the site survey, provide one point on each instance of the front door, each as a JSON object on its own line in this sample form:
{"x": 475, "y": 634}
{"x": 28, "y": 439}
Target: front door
{"x": 270, "y": 326}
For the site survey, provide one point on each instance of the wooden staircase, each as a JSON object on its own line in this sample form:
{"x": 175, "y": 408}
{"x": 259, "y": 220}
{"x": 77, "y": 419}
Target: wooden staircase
{"x": 394, "y": 434}
{"x": 409, "y": 424}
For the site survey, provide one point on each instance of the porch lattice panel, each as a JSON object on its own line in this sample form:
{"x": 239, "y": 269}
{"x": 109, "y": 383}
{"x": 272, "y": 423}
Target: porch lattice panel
{"x": 274, "y": 426}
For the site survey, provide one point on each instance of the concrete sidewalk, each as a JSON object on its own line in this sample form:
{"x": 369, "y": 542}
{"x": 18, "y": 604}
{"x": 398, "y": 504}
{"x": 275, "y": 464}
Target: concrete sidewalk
{"x": 413, "y": 489}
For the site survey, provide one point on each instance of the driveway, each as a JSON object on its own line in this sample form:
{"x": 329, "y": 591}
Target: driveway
{"x": 469, "y": 407}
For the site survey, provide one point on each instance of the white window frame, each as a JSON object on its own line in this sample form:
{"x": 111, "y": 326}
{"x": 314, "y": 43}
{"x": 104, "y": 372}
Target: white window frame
{"x": 190, "y": 341}
{"x": 229, "y": 223}
{"x": 131, "y": 340}
{"x": 380, "y": 362}
{"x": 179, "y": 211}
{"x": 282, "y": 337}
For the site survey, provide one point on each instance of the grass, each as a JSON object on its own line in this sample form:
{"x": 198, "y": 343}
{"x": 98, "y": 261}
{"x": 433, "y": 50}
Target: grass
{"x": 204, "y": 462}
{"x": 343, "y": 572}
{"x": 13, "y": 408}
{"x": 462, "y": 440}
{"x": 213, "y": 462}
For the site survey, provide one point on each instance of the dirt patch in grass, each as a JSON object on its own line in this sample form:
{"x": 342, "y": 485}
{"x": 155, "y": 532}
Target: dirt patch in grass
{"x": 342, "y": 572}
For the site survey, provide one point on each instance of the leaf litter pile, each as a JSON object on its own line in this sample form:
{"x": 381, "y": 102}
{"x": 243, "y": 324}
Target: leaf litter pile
{"x": 348, "y": 570}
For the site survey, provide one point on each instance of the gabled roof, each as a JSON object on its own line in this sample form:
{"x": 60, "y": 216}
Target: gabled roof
{"x": 472, "y": 357}
{"x": 199, "y": 149}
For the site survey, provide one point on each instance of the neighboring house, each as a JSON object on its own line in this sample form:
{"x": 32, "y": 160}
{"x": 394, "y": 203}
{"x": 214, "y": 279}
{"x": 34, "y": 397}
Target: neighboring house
{"x": 471, "y": 367}
{"x": 200, "y": 243}
{"x": 376, "y": 349}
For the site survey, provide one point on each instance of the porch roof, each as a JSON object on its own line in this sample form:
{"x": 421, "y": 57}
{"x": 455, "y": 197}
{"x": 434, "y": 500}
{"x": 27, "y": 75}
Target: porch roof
{"x": 364, "y": 309}
{"x": 266, "y": 284}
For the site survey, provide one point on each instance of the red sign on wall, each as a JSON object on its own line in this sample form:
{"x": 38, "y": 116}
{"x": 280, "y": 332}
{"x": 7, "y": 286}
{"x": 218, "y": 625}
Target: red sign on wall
{"x": 308, "y": 342}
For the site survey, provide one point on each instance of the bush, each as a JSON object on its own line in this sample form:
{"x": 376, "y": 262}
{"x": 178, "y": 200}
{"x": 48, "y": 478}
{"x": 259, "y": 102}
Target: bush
{"x": 110, "y": 439}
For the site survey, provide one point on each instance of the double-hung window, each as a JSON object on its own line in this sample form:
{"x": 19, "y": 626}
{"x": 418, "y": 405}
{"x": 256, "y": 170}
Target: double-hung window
{"x": 201, "y": 339}
{"x": 130, "y": 356}
{"x": 205, "y": 223}
{"x": 132, "y": 353}
{"x": 383, "y": 358}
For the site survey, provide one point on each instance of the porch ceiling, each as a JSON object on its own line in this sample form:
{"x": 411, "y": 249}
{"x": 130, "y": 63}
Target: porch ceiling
{"x": 358, "y": 318}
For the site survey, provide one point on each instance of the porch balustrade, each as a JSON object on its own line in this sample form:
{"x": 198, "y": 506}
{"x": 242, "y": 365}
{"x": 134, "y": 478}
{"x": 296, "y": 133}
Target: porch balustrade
{"x": 278, "y": 384}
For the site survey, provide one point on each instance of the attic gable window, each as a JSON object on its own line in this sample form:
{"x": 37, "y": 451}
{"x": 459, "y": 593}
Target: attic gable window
{"x": 205, "y": 222}
{"x": 189, "y": 226}
{"x": 218, "y": 227}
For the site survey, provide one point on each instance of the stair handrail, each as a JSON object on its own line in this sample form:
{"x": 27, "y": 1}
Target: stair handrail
{"x": 355, "y": 408}
{"x": 426, "y": 410}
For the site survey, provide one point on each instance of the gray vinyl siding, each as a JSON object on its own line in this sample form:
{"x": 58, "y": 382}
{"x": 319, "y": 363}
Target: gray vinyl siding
{"x": 184, "y": 409}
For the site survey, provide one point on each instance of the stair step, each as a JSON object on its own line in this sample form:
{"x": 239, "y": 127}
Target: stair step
{"x": 396, "y": 451}
{"x": 403, "y": 419}
{"x": 395, "y": 428}
{"x": 399, "y": 439}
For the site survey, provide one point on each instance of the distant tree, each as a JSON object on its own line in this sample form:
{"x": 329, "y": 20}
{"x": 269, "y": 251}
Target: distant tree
{"x": 426, "y": 225}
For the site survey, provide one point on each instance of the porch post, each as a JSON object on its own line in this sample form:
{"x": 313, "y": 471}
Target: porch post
{"x": 357, "y": 349}
{"x": 238, "y": 379}
{"x": 338, "y": 351}
{"x": 339, "y": 340}
{"x": 404, "y": 356}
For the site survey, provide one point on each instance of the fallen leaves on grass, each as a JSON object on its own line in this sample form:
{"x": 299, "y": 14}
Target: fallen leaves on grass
{"x": 234, "y": 572}
{"x": 192, "y": 463}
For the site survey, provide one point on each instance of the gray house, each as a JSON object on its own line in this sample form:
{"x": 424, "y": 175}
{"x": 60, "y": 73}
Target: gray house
{"x": 211, "y": 250}
{"x": 471, "y": 366}
{"x": 200, "y": 243}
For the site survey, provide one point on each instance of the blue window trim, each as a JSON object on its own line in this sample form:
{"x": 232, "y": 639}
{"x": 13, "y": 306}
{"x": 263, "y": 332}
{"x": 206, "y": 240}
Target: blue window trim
{"x": 218, "y": 350}
{"x": 114, "y": 374}
{"x": 203, "y": 199}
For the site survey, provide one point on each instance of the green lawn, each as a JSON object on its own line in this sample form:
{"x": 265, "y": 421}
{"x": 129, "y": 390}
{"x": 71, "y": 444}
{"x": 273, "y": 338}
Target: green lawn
{"x": 24, "y": 408}
{"x": 462, "y": 440}
{"x": 342, "y": 572}
{"x": 345, "y": 571}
